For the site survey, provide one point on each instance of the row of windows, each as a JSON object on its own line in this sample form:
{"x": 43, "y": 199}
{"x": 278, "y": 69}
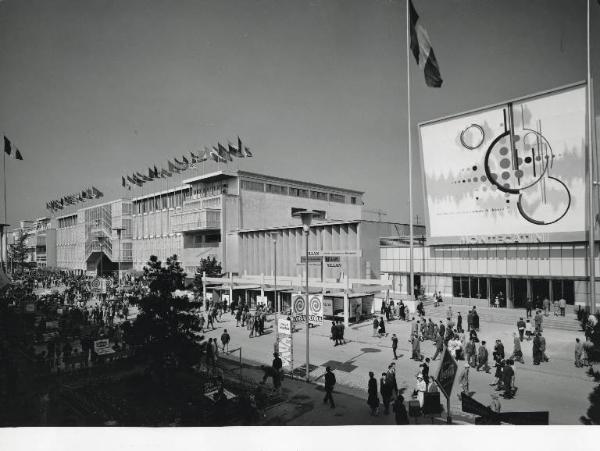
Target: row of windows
{"x": 69, "y": 221}
{"x": 273, "y": 188}
{"x": 169, "y": 200}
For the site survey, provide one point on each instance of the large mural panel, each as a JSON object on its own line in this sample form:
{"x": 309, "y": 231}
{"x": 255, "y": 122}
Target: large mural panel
{"x": 517, "y": 168}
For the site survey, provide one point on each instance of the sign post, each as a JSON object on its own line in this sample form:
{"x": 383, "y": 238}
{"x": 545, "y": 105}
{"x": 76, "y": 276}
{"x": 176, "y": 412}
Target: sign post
{"x": 445, "y": 379}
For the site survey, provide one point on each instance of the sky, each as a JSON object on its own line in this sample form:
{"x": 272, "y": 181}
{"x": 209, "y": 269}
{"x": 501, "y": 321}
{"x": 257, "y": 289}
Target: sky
{"x": 96, "y": 89}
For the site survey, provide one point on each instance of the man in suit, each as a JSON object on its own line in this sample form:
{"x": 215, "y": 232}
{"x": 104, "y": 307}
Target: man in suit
{"x": 329, "y": 384}
{"x": 482, "y": 358}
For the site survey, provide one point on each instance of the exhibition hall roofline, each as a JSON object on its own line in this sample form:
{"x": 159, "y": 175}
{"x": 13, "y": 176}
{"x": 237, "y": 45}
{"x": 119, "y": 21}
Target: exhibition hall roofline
{"x": 213, "y": 176}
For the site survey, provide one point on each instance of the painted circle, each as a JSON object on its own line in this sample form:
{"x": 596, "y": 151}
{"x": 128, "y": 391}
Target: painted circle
{"x": 299, "y": 305}
{"x": 315, "y": 304}
{"x": 483, "y": 178}
{"x": 505, "y": 163}
{"x": 474, "y": 168}
{"x": 518, "y": 173}
{"x": 503, "y": 151}
{"x": 527, "y": 160}
{"x": 472, "y": 137}
{"x": 505, "y": 175}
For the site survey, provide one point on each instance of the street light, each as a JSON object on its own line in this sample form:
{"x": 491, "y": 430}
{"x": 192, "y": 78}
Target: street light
{"x": 306, "y": 217}
{"x": 274, "y": 236}
{"x": 119, "y": 230}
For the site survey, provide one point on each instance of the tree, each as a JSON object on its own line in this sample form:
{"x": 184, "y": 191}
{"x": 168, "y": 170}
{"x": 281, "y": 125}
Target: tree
{"x": 18, "y": 252}
{"x": 593, "y": 412}
{"x": 166, "y": 328}
{"x": 211, "y": 267}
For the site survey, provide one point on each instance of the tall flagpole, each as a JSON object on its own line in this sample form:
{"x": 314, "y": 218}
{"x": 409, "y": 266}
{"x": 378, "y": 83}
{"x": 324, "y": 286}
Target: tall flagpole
{"x": 410, "y": 199}
{"x": 591, "y": 215}
{"x": 3, "y": 243}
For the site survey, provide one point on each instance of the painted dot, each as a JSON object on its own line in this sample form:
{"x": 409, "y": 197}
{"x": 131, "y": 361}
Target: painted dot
{"x": 477, "y": 198}
{"x": 483, "y": 178}
{"x": 538, "y": 158}
{"x": 474, "y": 168}
{"x": 518, "y": 173}
{"x": 503, "y": 151}
{"x": 506, "y": 175}
{"x": 468, "y": 180}
{"x": 516, "y": 138}
{"x": 464, "y": 181}
{"x": 508, "y": 201}
{"x": 505, "y": 163}
{"x": 519, "y": 161}
{"x": 506, "y": 185}
{"x": 494, "y": 187}
{"x": 494, "y": 176}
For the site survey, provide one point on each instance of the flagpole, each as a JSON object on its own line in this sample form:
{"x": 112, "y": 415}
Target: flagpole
{"x": 3, "y": 246}
{"x": 591, "y": 215}
{"x": 410, "y": 199}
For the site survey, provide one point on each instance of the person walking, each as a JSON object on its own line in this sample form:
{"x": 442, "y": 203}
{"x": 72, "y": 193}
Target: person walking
{"x": 375, "y": 326}
{"x": 400, "y": 414}
{"x": 543, "y": 348}
{"x": 373, "y": 399}
{"x": 416, "y": 348}
{"x": 508, "y": 380}
{"x": 521, "y": 328}
{"x": 277, "y": 366}
{"x": 538, "y": 321}
{"x": 469, "y": 320}
{"x": 420, "y": 389}
{"x": 578, "y": 353}
{"x": 562, "y": 303}
{"x": 334, "y": 333}
{"x": 546, "y": 305}
{"x": 386, "y": 389}
{"x": 225, "y": 339}
{"x": 381, "y": 331}
{"x": 517, "y": 354}
{"x": 482, "y": 358}
{"x": 439, "y": 346}
{"x": 329, "y": 384}
{"x": 395, "y": 346}
{"x": 475, "y": 319}
{"x": 528, "y": 308}
{"x": 459, "y": 321}
{"x": 464, "y": 381}
{"x": 470, "y": 353}
{"x": 536, "y": 350}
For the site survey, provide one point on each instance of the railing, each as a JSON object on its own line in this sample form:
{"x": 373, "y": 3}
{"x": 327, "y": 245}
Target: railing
{"x": 196, "y": 220}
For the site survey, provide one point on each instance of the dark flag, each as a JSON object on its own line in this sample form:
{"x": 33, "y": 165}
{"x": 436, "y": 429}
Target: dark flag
{"x": 172, "y": 168}
{"x": 156, "y": 174}
{"x": 247, "y": 152}
{"x": 422, "y": 50}
{"x": 7, "y": 147}
{"x": 18, "y": 155}
{"x": 123, "y": 182}
{"x": 225, "y": 152}
{"x": 97, "y": 193}
{"x": 164, "y": 173}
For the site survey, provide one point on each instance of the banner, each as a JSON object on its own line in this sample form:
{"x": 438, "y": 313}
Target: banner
{"x": 285, "y": 343}
{"x": 514, "y": 170}
{"x": 447, "y": 373}
{"x": 315, "y": 308}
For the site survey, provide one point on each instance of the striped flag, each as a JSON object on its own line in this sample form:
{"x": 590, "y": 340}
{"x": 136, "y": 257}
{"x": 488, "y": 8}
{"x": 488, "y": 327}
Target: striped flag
{"x": 422, "y": 50}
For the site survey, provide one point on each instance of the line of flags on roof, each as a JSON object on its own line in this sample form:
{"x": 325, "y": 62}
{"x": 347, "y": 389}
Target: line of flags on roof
{"x": 15, "y": 153}
{"x": 72, "y": 199}
{"x": 218, "y": 153}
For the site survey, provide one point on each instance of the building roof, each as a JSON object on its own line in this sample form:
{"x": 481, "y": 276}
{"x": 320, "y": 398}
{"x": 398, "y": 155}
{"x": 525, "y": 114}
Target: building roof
{"x": 317, "y": 224}
{"x": 297, "y": 182}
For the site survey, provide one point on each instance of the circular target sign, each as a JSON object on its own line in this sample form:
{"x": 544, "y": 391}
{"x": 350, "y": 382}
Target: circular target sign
{"x": 299, "y": 305}
{"x": 315, "y": 304}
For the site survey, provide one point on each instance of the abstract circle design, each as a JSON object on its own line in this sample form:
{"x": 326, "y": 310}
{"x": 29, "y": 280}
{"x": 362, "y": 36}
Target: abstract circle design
{"x": 299, "y": 305}
{"x": 315, "y": 304}
{"x": 472, "y": 137}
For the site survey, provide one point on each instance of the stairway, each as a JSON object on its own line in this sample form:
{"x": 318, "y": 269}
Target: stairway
{"x": 502, "y": 315}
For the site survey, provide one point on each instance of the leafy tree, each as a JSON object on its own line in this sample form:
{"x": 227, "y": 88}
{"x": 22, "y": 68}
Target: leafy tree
{"x": 212, "y": 268}
{"x": 166, "y": 328}
{"x": 164, "y": 279}
{"x": 18, "y": 252}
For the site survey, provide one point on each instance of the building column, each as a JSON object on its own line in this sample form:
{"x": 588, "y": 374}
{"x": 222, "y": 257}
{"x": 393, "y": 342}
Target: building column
{"x": 529, "y": 289}
{"x": 488, "y": 282}
{"x": 550, "y": 292}
{"x": 346, "y": 301}
{"x": 508, "y": 295}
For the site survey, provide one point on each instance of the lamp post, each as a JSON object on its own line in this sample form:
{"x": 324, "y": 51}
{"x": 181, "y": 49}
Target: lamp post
{"x": 119, "y": 230}
{"x": 306, "y": 217}
{"x": 274, "y": 238}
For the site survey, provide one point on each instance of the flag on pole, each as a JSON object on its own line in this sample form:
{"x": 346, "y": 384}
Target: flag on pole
{"x": 420, "y": 46}
{"x": 164, "y": 173}
{"x": 97, "y": 193}
{"x": 7, "y": 147}
{"x": 18, "y": 155}
{"x": 247, "y": 153}
{"x": 224, "y": 151}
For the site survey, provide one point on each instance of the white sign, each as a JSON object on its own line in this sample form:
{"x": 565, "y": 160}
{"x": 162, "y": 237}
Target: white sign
{"x": 284, "y": 326}
{"x": 261, "y": 300}
{"x": 315, "y": 308}
{"x": 328, "y": 306}
{"x": 515, "y": 170}
{"x": 336, "y": 253}
{"x": 100, "y": 346}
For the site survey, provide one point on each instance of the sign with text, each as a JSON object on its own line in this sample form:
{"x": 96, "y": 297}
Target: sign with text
{"x": 337, "y": 253}
{"x": 315, "y": 308}
{"x": 284, "y": 343}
